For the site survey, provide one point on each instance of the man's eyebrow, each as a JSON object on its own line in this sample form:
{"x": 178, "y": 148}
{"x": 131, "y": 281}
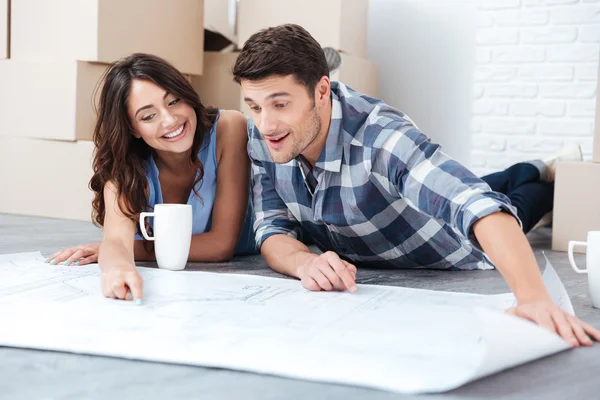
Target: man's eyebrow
{"x": 269, "y": 97}
{"x": 277, "y": 94}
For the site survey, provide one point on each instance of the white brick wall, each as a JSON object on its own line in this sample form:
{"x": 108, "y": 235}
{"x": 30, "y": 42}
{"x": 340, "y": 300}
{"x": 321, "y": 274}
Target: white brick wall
{"x": 535, "y": 79}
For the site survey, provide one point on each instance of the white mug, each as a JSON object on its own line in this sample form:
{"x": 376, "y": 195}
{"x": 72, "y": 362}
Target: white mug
{"x": 172, "y": 234}
{"x": 592, "y": 264}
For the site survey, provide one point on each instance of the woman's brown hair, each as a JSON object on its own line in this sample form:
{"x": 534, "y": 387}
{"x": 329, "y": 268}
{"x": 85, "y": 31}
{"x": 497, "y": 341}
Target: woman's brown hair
{"x": 121, "y": 158}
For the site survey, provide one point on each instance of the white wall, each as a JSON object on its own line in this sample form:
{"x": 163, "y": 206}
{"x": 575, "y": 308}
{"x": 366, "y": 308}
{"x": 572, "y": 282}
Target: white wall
{"x": 537, "y": 67}
{"x": 425, "y": 50}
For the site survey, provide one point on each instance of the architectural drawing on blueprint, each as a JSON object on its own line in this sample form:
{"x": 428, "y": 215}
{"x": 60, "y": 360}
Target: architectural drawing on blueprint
{"x": 399, "y": 339}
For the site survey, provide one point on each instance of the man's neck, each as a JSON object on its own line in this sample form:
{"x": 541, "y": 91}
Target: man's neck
{"x": 314, "y": 150}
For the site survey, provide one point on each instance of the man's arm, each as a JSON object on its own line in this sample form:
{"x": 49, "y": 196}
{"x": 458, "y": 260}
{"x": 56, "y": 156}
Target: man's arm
{"x": 277, "y": 231}
{"x": 317, "y": 272}
{"x": 436, "y": 185}
{"x": 505, "y": 243}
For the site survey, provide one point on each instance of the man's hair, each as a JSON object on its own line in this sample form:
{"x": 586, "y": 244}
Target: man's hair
{"x": 281, "y": 51}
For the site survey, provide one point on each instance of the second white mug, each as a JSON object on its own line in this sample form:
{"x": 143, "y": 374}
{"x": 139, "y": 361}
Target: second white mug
{"x": 172, "y": 234}
{"x": 592, "y": 264}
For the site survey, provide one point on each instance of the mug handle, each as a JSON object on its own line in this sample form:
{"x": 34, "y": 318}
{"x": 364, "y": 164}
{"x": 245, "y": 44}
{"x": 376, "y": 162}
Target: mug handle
{"x": 143, "y": 217}
{"x": 572, "y": 245}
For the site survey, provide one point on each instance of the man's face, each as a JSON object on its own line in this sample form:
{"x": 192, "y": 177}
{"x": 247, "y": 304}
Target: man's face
{"x": 284, "y": 113}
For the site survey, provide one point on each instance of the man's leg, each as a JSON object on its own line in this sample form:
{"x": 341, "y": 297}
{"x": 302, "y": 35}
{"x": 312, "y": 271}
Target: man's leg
{"x": 530, "y": 185}
{"x": 511, "y": 178}
{"x": 532, "y": 200}
{"x": 523, "y": 184}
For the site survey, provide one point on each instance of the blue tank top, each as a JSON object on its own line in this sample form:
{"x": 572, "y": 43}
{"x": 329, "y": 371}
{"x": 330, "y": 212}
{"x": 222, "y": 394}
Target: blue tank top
{"x": 202, "y": 206}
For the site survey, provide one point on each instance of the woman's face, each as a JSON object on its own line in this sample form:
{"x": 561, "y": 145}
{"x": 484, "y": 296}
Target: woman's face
{"x": 163, "y": 121}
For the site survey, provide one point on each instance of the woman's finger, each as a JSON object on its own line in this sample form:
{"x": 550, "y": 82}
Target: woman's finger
{"x": 75, "y": 257}
{"x": 87, "y": 260}
{"x": 118, "y": 287}
{"x": 60, "y": 256}
{"x": 53, "y": 257}
{"x": 136, "y": 286}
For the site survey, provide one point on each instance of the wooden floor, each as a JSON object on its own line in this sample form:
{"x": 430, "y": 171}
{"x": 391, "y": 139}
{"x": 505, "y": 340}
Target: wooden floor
{"x": 30, "y": 374}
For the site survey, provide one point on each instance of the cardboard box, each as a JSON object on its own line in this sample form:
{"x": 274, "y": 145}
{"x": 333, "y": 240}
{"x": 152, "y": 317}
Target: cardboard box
{"x": 46, "y": 178}
{"x": 576, "y": 203}
{"x": 596, "y": 144}
{"x": 220, "y": 16}
{"x": 4, "y": 29}
{"x": 49, "y": 100}
{"x": 217, "y": 88}
{"x": 358, "y": 73}
{"x": 106, "y": 30}
{"x": 341, "y": 24}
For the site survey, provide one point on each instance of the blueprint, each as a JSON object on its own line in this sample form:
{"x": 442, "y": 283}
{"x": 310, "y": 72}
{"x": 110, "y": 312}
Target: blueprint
{"x": 397, "y": 339}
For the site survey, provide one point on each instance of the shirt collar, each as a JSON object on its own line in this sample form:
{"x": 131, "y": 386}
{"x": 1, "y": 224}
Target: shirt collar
{"x": 331, "y": 156}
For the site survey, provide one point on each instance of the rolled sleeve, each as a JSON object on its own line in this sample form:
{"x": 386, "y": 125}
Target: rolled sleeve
{"x": 272, "y": 217}
{"x": 481, "y": 205}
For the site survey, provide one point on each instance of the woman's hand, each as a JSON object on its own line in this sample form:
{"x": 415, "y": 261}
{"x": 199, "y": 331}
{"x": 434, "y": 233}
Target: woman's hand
{"x": 122, "y": 283}
{"x": 79, "y": 255}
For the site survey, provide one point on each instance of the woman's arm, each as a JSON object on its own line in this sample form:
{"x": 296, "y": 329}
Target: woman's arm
{"x": 116, "y": 257}
{"x": 233, "y": 190}
{"x": 231, "y": 200}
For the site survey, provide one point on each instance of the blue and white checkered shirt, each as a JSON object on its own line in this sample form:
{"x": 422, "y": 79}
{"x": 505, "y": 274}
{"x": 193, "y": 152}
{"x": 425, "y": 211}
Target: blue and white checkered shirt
{"x": 385, "y": 196}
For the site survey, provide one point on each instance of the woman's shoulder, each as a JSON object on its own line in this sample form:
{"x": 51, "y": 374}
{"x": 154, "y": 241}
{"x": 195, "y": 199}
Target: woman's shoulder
{"x": 232, "y": 130}
{"x": 231, "y": 120}
{"x": 232, "y": 125}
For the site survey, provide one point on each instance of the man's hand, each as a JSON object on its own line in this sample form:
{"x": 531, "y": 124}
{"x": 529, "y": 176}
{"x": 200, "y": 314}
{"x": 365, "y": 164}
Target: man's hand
{"x": 550, "y": 316}
{"x": 327, "y": 272}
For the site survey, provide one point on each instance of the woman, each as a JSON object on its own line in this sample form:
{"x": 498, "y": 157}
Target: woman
{"x": 156, "y": 143}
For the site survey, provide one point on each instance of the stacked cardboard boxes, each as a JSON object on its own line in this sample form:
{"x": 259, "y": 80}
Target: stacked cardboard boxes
{"x": 58, "y": 52}
{"x": 54, "y": 53}
{"x": 4, "y": 29}
{"x": 340, "y": 24}
{"x": 577, "y": 195}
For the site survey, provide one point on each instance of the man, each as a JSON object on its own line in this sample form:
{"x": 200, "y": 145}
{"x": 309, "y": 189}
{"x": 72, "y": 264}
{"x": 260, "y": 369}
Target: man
{"x": 368, "y": 187}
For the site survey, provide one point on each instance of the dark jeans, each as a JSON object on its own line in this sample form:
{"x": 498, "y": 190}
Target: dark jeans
{"x": 522, "y": 183}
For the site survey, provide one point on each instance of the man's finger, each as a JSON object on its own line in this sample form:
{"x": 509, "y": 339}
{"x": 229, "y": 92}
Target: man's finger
{"x": 340, "y": 269}
{"x": 310, "y": 284}
{"x": 318, "y": 276}
{"x": 592, "y": 332}
{"x": 563, "y": 327}
{"x": 579, "y": 332}
{"x": 350, "y": 267}
{"x": 331, "y": 275}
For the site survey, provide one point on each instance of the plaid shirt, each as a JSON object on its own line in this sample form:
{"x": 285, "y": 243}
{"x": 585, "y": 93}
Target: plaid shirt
{"x": 384, "y": 195}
